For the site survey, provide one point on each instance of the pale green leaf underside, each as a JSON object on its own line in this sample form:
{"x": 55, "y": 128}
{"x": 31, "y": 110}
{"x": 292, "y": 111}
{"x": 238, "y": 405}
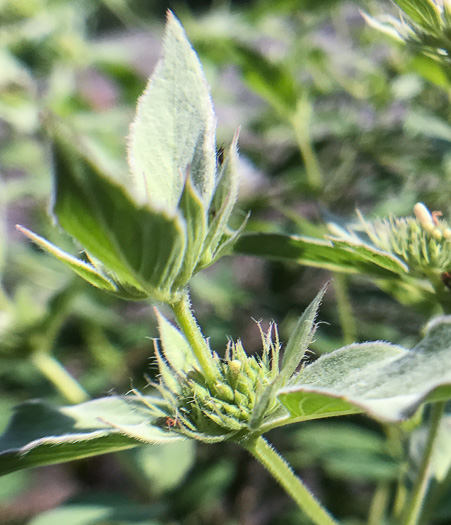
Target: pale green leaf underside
{"x": 83, "y": 269}
{"x": 386, "y": 381}
{"x": 176, "y": 348}
{"x": 174, "y": 127}
{"x": 39, "y": 434}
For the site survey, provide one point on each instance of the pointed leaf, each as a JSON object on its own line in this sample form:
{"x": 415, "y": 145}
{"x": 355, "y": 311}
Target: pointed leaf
{"x": 83, "y": 269}
{"x": 224, "y": 199}
{"x": 319, "y": 253}
{"x": 386, "y": 381}
{"x": 272, "y": 81}
{"x": 294, "y": 352}
{"x": 195, "y": 215}
{"x": 174, "y": 126}
{"x": 425, "y": 13}
{"x": 39, "y": 434}
{"x": 301, "y": 337}
{"x": 142, "y": 247}
{"x": 175, "y": 347}
{"x": 367, "y": 252}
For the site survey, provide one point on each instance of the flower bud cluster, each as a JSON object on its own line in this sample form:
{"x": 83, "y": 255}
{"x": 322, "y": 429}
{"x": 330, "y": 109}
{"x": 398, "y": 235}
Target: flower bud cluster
{"x": 423, "y": 242}
{"x": 223, "y": 410}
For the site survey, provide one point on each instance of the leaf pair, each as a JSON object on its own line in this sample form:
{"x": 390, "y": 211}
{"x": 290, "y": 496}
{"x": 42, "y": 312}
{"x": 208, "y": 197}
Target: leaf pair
{"x": 149, "y": 234}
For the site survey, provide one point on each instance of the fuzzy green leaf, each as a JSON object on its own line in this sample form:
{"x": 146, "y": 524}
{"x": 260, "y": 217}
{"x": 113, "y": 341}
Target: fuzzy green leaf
{"x": 83, "y": 269}
{"x": 425, "y": 13}
{"x": 294, "y": 352}
{"x": 301, "y": 337}
{"x": 174, "y": 127}
{"x": 319, "y": 253}
{"x": 39, "y": 434}
{"x": 195, "y": 215}
{"x": 386, "y": 381}
{"x": 176, "y": 348}
{"x": 366, "y": 252}
{"x": 144, "y": 248}
{"x": 224, "y": 199}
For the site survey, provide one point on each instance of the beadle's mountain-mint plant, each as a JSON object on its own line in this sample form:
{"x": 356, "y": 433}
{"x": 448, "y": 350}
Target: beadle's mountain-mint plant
{"x": 146, "y": 235}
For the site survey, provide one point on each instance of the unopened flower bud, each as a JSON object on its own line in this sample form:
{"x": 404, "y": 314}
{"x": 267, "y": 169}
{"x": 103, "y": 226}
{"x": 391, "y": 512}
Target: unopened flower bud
{"x": 424, "y": 217}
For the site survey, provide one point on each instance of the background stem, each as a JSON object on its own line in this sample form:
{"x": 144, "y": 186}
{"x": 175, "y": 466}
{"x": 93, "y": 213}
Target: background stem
{"x": 53, "y": 370}
{"x": 344, "y": 307}
{"x": 379, "y": 504}
{"x": 421, "y": 485}
{"x": 293, "y": 485}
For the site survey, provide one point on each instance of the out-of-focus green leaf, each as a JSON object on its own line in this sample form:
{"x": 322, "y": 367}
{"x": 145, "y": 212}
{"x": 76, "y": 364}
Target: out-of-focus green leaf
{"x": 386, "y": 381}
{"x": 272, "y": 81}
{"x": 345, "y": 450}
{"x": 425, "y": 13}
{"x": 174, "y": 127}
{"x": 93, "y": 513}
{"x": 39, "y": 434}
{"x": 165, "y": 466}
{"x": 430, "y": 69}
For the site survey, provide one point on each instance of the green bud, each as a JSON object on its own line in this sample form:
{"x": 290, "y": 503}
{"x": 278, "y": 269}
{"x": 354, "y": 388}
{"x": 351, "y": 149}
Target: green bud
{"x": 224, "y": 392}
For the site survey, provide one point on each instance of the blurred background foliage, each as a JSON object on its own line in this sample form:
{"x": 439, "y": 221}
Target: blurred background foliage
{"x": 333, "y": 116}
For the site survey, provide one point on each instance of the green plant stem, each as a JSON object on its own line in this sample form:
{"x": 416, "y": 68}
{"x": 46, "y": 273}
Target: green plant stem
{"x": 379, "y": 504}
{"x": 301, "y": 126}
{"x": 420, "y": 488}
{"x": 190, "y": 328}
{"x": 283, "y": 473}
{"x": 59, "y": 377}
{"x": 442, "y": 293}
{"x": 440, "y": 490}
{"x": 347, "y": 321}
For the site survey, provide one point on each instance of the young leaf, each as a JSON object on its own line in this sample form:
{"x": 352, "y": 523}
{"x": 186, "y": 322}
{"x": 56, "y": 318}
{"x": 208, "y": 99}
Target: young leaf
{"x": 176, "y": 348}
{"x": 293, "y": 354}
{"x": 301, "y": 337}
{"x": 195, "y": 215}
{"x": 386, "y": 381}
{"x": 39, "y": 434}
{"x": 224, "y": 199}
{"x": 174, "y": 127}
{"x": 425, "y": 13}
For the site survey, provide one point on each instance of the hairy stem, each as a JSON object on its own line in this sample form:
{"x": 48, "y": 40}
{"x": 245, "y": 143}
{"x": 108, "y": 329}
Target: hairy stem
{"x": 188, "y": 324}
{"x": 293, "y": 485}
{"x": 413, "y": 513}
